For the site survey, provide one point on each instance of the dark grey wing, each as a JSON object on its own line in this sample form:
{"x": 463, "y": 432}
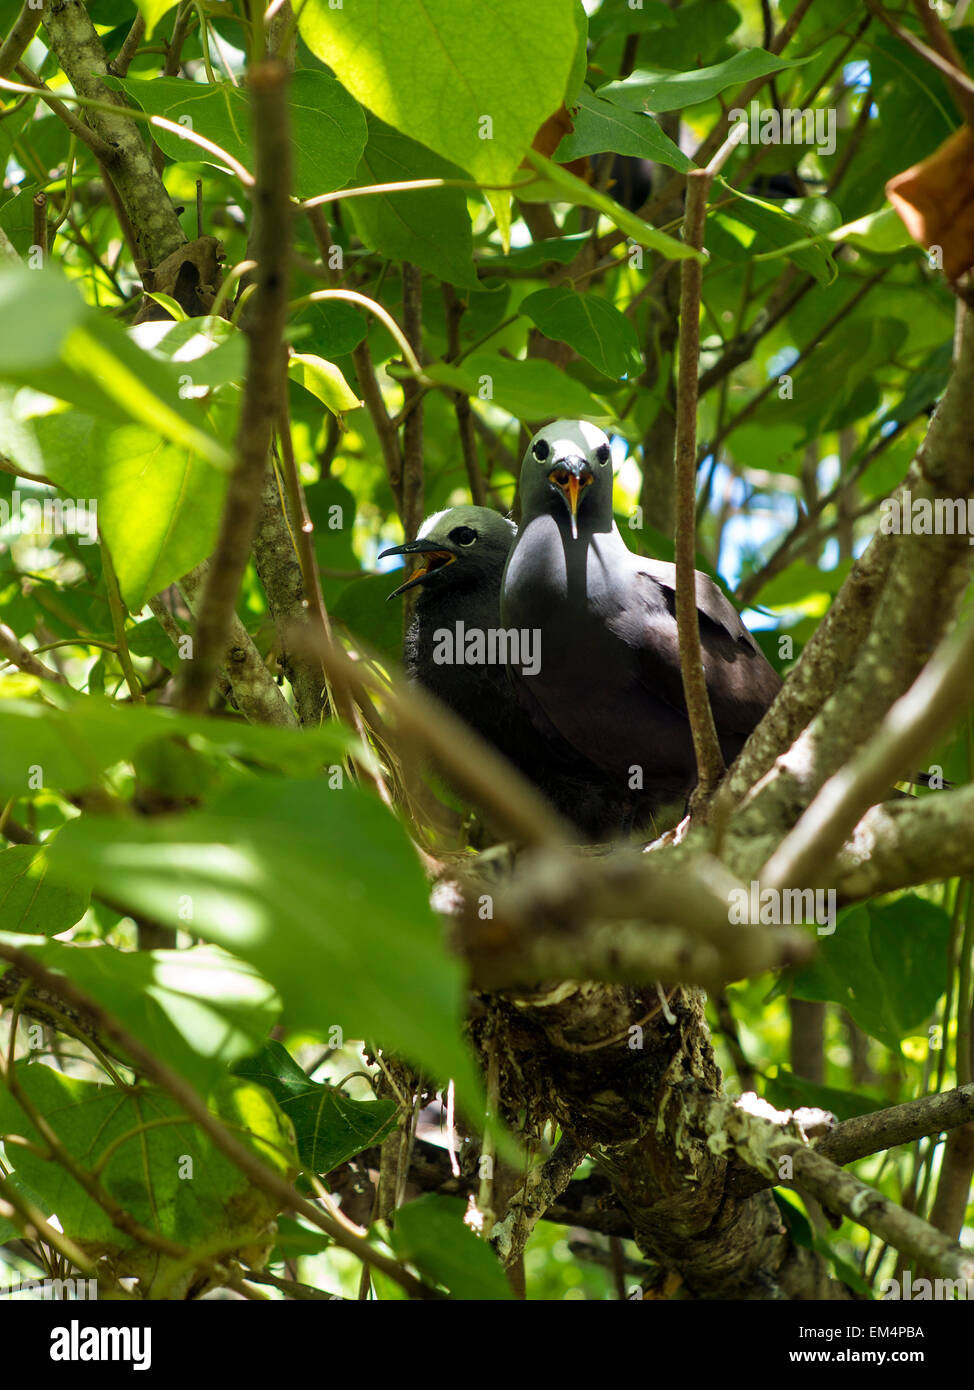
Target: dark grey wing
{"x": 741, "y": 682}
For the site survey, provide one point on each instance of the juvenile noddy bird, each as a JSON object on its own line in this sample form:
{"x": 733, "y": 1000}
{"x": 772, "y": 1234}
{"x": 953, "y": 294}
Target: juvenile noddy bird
{"x": 461, "y": 554}
{"x": 609, "y": 677}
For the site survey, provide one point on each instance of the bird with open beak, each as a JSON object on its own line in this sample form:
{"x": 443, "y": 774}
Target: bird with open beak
{"x": 609, "y": 679}
{"x": 461, "y": 555}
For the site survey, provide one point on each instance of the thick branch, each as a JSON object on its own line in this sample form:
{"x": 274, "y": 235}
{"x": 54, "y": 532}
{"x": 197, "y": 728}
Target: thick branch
{"x": 919, "y": 578}
{"x": 874, "y": 1133}
{"x": 255, "y": 691}
{"x": 775, "y": 1143}
{"x": 542, "y": 1187}
{"x": 617, "y": 918}
{"x": 79, "y": 50}
{"x": 912, "y": 725}
{"x": 902, "y": 843}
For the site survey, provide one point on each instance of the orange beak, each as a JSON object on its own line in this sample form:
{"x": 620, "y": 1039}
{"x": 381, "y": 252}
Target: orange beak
{"x": 571, "y": 479}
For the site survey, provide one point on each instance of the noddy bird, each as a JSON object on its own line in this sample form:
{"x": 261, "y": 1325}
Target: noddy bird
{"x": 609, "y": 677}
{"x": 461, "y": 554}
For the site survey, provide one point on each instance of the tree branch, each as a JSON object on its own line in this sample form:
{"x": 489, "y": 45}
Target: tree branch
{"x": 79, "y": 50}
{"x": 706, "y": 746}
{"x": 17, "y": 41}
{"x": 20, "y": 656}
{"x": 255, "y": 691}
{"x": 911, "y": 726}
{"x": 264, "y": 327}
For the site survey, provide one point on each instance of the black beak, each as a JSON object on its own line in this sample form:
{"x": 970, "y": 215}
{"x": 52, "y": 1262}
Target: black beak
{"x": 435, "y": 556}
{"x": 571, "y": 474}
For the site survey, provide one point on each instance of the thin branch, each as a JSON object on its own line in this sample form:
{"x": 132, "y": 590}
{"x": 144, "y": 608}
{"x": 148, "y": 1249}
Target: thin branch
{"x": 180, "y": 28}
{"x": 710, "y": 761}
{"x": 845, "y": 1194}
{"x": 453, "y": 311}
{"x": 819, "y": 336}
{"x": 264, "y": 328}
{"x": 798, "y": 538}
{"x": 412, "y": 442}
{"x": 263, "y": 1177}
{"x": 314, "y": 599}
{"x": 944, "y": 57}
{"x": 911, "y": 726}
{"x": 103, "y": 151}
{"x": 428, "y": 728}
{"x": 740, "y": 349}
{"x": 18, "y": 40}
{"x": 118, "y": 626}
{"x": 119, "y": 66}
{"x": 375, "y": 308}
{"x": 20, "y": 656}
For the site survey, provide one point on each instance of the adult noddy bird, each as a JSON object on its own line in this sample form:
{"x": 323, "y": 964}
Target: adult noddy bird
{"x": 462, "y": 553}
{"x": 609, "y": 677}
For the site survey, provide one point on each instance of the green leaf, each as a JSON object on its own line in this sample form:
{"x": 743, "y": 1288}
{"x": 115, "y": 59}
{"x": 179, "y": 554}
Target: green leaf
{"x": 561, "y": 185}
{"x": 91, "y": 362}
{"x": 588, "y": 323}
{"x": 530, "y": 389}
{"x": 152, "y": 11}
{"x": 39, "y": 311}
{"x": 431, "y": 226}
{"x": 562, "y": 249}
{"x": 880, "y": 231}
{"x": 324, "y": 381}
{"x": 335, "y": 328}
{"x": 327, "y": 126}
{"x": 786, "y": 232}
{"x": 601, "y": 125}
{"x": 645, "y": 90}
{"x": 158, "y": 506}
{"x": 198, "y": 1010}
{"x": 28, "y": 902}
{"x": 465, "y": 79}
{"x": 330, "y": 1129}
{"x": 826, "y": 386}
{"x": 430, "y": 1233}
{"x": 154, "y": 1162}
{"x": 800, "y": 579}
{"x": 75, "y": 737}
{"x": 886, "y": 965}
{"x": 208, "y": 351}
{"x": 616, "y": 17}
{"x": 317, "y": 887}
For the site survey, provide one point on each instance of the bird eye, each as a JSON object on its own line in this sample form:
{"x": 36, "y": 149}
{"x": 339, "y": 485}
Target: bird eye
{"x": 541, "y": 449}
{"x": 603, "y": 453}
{"x": 463, "y": 535}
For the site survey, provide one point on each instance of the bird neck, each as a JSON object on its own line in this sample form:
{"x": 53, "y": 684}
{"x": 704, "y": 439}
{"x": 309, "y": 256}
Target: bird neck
{"x": 591, "y": 521}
